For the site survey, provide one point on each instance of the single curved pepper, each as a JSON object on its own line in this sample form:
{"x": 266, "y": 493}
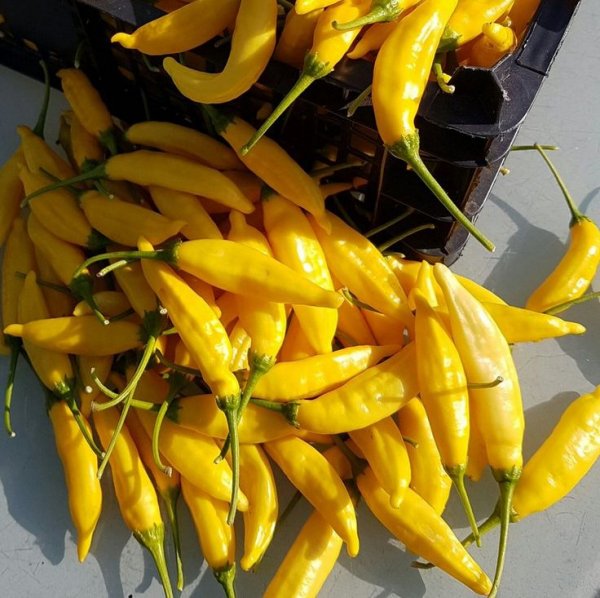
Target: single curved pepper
{"x": 313, "y": 376}
{"x": 217, "y": 537}
{"x": 296, "y": 37}
{"x": 319, "y": 482}
{"x": 145, "y": 167}
{"x": 357, "y": 264}
{"x": 467, "y": 21}
{"x": 383, "y": 447}
{"x": 423, "y": 532}
{"x": 328, "y": 48}
{"x": 125, "y": 223}
{"x": 271, "y": 163}
{"x": 367, "y": 398}
{"x": 88, "y": 106}
{"x": 428, "y": 476}
{"x": 252, "y": 45}
{"x": 308, "y": 562}
{"x": 181, "y": 30}
{"x": 135, "y": 494}
{"x": 185, "y": 141}
{"x": 497, "y": 410}
{"x": 80, "y": 465}
{"x": 573, "y": 275}
{"x": 400, "y": 75}
{"x": 295, "y": 244}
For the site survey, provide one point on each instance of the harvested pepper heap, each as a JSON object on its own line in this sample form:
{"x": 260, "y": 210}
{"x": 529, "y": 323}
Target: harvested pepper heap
{"x": 235, "y": 322}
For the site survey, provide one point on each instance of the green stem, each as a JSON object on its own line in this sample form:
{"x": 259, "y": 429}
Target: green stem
{"x": 350, "y": 298}
{"x": 226, "y": 577}
{"x": 407, "y": 233}
{"x": 170, "y": 498}
{"x": 507, "y": 482}
{"x": 358, "y": 101}
{"x": 495, "y": 382}
{"x": 38, "y": 129}
{"x": 457, "y": 475}
{"x": 288, "y": 410}
{"x": 14, "y": 345}
{"x": 72, "y": 404}
{"x": 489, "y": 524}
{"x": 103, "y": 388}
{"x": 153, "y": 540}
{"x": 160, "y": 416}
{"x": 407, "y": 149}
{"x": 576, "y": 214}
{"x": 182, "y": 369}
{"x": 378, "y": 229}
{"x": 230, "y": 405}
{"x": 109, "y": 140}
{"x": 442, "y": 78}
{"x": 568, "y": 304}
{"x": 82, "y": 287}
{"x": 382, "y": 11}
{"x": 527, "y": 148}
{"x": 313, "y": 69}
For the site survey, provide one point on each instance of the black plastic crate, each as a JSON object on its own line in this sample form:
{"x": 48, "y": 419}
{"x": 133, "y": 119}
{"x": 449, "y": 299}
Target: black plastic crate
{"x": 464, "y": 137}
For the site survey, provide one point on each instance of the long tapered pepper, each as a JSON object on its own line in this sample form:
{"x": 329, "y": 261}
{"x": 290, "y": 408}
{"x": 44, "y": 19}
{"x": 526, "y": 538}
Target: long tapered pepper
{"x": 496, "y": 410}
{"x": 400, "y": 75}
{"x": 312, "y": 376}
{"x": 252, "y": 45}
{"x": 39, "y": 156}
{"x": 367, "y": 398}
{"x": 181, "y": 30}
{"x": 319, "y": 482}
{"x": 423, "y": 532}
{"x": 177, "y": 139}
{"x": 272, "y": 164}
{"x": 296, "y": 37}
{"x": 135, "y": 493}
{"x": 132, "y": 282}
{"x": 295, "y": 244}
{"x": 328, "y": 48}
{"x": 573, "y": 275}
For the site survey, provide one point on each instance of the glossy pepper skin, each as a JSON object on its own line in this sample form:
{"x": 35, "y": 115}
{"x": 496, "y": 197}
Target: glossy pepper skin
{"x": 400, "y": 76}
{"x": 320, "y": 484}
{"x": 367, "y": 398}
{"x": 252, "y": 45}
{"x": 308, "y": 562}
{"x": 423, "y": 532}
{"x": 181, "y": 30}
{"x": 296, "y": 36}
{"x": 80, "y": 466}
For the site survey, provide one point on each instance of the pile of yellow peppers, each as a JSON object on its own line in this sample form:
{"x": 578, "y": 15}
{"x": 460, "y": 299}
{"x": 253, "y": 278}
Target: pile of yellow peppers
{"x": 195, "y": 315}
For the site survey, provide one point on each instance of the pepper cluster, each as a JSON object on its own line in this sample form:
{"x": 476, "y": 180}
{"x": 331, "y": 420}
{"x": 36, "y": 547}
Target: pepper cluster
{"x": 264, "y": 329}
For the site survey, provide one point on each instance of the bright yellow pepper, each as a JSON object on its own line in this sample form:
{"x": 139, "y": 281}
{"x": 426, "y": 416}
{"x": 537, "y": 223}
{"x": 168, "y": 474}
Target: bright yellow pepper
{"x": 296, "y": 36}
{"x": 39, "y": 156}
{"x": 85, "y": 147}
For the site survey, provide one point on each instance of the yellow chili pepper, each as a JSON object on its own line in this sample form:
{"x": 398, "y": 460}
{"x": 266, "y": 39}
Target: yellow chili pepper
{"x": 305, "y": 6}
{"x": 308, "y": 562}
{"x": 295, "y": 244}
{"x": 400, "y": 75}
{"x": 11, "y": 191}
{"x": 328, "y": 48}
{"x": 80, "y": 466}
{"x": 367, "y": 398}
{"x": 315, "y": 375}
{"x": 86, "y": 103}
{"x": 125, "y": 223}
{"x": 496, "y": 410}
{"x": 371, "y": 40}
{"x": 352, "y": 326}
{"x": 386, "y": 330}
{"x": 477, "y": 455}
{"x": 252, "y": 45}
{"x": 296, "y": 36}
{"x": 168, "y": 486}
{"x": 185, "y": 141}
{"x": 360, "y": 266}
{"x": 573, "y": 275}
{"x": 217, "y": 537}
{"x": 227, "y": 304}
{"x": 85, "y": 147}
{"x": 135, "y": 494}
{"x": 495, "y": 42}
{"x": 467, "y": 20}
{"x": 429, "y": 478}
{"x": 320, "y": 484}
{"x": 181, "y": 30}
{"x": 423, "y": 532}
{"x": 445, "y": 396}
{"x": 39, "y": 156}
{"x": 132, "y": 282}
{"x": 203, "y": 289}
{"x": 145, "y": 167}
{"x": 295, "y": 345}
{"x": 112, "y": 303}
{"x": 383, "y": 447}
{"x": 271, "y": 163}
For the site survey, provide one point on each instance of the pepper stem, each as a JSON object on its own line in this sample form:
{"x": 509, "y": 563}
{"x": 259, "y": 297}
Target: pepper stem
{"x": 386, "y": 11}
{"x": 378, "y": 229}
{"x": 568, "y": 304}
{"x": 491, "y": 384}
{"x": 457, "y": 475}
{"x": 226, "y": 577}
{"x": 507, "y": 486}
{"x": 489, "y": 524}
{"x": 160, "y": 416}
{"x": 170, "y": 498}
{"x": 153, "y": 540}
{"x": 81, "y": 286}
{"x": 407, "y": 149}
{"x": 288, "y": 410}
{"x": 576, "y": 214}
{"x": 15, "y": 350}
{"x": 442, "y": 78}
{"x": 404, "y": 235}
{"x": 303, "y": 82}
{"x": 72, "y": 404}
{"x": 38, "y": 129}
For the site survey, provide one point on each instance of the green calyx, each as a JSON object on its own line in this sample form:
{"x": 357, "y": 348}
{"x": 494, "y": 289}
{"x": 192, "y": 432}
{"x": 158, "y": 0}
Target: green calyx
{"x": 449, "y": 41}
{"x": 218, "y": 119}
{"x": 109, "y": 139}
{"x": 82, "y": 286}
{"x": 381, "y": 11}
{"x": 153, "y": 540}
{"x": 407, "y": 149}
{"x": 170, "y": 498}
{"x": 288, "y": 410}
{"x": 226, "y": 577}
{"x": 97, "y": 241}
